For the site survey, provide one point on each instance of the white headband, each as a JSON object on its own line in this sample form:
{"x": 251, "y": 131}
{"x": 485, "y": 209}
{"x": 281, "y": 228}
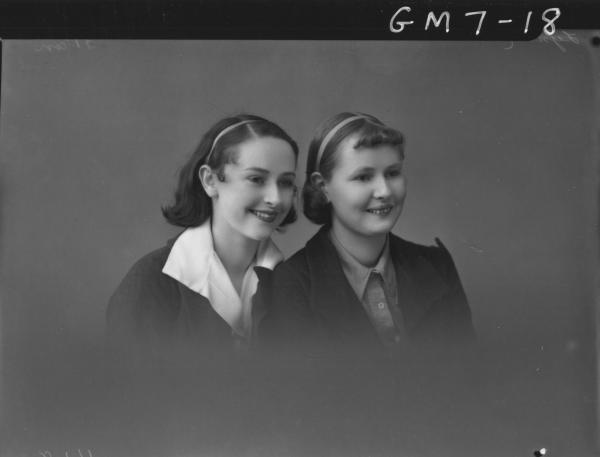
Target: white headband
{"x": 332, "y": 132}
{"x": 223, "y": 132}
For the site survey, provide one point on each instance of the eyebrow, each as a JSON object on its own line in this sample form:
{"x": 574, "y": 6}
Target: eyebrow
{"x": 394, "y": 165}
{"x": 362, "y": 169}
{"x": 397, "y": 164}
{"x": 257, "y": 170}
{"x": 262, "y": 170}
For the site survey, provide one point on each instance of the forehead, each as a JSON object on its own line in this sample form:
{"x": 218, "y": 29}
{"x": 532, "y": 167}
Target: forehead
{"x": 270, "y": 153}
{"x": 382, "y": 156}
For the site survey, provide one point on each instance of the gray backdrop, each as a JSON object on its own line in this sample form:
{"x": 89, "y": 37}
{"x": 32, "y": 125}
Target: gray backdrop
{"x": 500, "y": 166}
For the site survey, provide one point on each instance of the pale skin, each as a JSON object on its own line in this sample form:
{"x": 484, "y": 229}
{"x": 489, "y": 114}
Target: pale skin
{"x": 251, "y": 202}
{"x": 236, "y": 254}
{"x": 367, "y": 191}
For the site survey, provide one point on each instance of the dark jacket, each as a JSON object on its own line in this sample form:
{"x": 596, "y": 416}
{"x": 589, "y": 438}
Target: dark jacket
{"x": 153, "y": 310}
{"x": 307, "y": 301}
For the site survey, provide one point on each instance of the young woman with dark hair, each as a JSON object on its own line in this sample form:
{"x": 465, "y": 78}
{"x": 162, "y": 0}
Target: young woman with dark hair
{"x": 235, "y": 190}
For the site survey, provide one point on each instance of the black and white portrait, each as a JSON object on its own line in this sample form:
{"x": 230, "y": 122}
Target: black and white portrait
{"x": 496, "y": 144}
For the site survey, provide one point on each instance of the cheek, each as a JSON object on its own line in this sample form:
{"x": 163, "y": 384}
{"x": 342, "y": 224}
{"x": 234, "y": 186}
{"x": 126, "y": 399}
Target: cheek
{"x": 359, "y": 197}
{"x": 242, "y": 195}
{"x": 350, "y": 200}
{"x": 339, "y": 198}
{"x": 400, "y": 188}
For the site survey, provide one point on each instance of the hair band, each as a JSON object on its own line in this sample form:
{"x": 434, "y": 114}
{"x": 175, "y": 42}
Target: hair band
{"x": 332, "y": 132}
{"x": 224, "y": 132}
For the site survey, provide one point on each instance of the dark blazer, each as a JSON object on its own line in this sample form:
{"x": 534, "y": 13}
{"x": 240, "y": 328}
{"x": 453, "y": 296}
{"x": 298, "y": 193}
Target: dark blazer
{"x": 151, "y": 310}
{"x": 308, "y": 302}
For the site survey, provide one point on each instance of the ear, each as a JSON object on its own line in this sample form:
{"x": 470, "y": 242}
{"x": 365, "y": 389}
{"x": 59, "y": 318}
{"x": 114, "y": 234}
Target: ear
{"x": 208, "y": 179}
{"x": 318, "y": 181}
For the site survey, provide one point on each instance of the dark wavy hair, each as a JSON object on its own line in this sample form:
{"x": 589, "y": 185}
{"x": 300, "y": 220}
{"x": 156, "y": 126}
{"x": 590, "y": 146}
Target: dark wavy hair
{"x": 370, "y": 132}
{"x": 192, "y": 206}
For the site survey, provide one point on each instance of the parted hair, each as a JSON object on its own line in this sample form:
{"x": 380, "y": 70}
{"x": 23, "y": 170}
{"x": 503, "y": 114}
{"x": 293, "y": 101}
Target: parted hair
{"x": 192, "y": 206}
{"x": 370, "y": 132}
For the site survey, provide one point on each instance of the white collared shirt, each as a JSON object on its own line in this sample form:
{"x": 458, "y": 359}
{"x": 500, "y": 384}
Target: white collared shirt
{"x": 194, "y": 263}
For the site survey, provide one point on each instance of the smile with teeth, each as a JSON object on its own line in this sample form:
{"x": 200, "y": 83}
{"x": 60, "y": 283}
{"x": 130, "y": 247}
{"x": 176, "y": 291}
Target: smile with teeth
{"x": 380, "y": 211}
{"x": 265, "y": 216}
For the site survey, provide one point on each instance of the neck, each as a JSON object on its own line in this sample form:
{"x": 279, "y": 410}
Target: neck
{"x": 365, "y": 249}
{"x": 235, "y": 250}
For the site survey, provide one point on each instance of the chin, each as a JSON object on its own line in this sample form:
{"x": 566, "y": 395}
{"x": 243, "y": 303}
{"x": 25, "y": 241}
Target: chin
{"x": 259, "y": 234}
{"x": 379, "y": 229}
{"x": 379, "y": 232}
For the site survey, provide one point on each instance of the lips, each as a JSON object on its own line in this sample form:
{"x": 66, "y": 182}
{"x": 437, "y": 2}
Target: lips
{"x": 382, "y": 210}
{"x": 265, "y": 216}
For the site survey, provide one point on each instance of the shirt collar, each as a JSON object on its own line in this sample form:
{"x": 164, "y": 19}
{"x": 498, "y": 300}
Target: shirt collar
{"x": 193, "y": 253}
{"x": 357, "y": 273}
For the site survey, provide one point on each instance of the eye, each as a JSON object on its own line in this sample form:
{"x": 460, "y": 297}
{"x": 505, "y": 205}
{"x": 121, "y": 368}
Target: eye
{"x": 363, "y": 177}
{"x": 394, "y": 173}
{"x": 287, "y": 183}
{"x": 256, "y": 179}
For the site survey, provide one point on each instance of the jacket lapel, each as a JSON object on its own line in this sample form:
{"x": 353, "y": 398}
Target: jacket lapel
{"x": 334, "y": 301}
{"x": 419, "y": 283}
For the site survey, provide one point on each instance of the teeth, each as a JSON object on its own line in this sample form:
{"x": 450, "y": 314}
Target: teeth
{"x": 265, "y": 216}
{"x": 380, "y": 211}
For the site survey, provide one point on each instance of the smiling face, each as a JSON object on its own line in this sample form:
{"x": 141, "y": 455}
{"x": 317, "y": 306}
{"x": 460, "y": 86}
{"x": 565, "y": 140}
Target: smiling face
{"x": 257, "y": 191}
{"x": 366, "y": 189}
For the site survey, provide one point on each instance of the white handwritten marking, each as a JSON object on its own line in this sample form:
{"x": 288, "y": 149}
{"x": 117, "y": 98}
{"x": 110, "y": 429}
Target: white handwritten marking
{"x": 558, "y": 45}
{"x": 483, "y": 13}
{"x": 550, "y": 28}
{"x": 527, "y": 21}
{"x": 437, "y": 21}
{"x": 402, "y": 24}
{"x": 561, "y": 37}
{"x": 476, "y": 249}
{"x": 47, "y": 453}
{"x": 64, "y": 45}
{"x": 396, "y": 25}
{"x": 572, "y": 37}
{"x": 472, "y": 246}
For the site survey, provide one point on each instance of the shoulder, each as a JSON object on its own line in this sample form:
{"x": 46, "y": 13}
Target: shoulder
{"x": 318, "y": 249}
{"x": 152, "y": 262}
{"x": 144, "y": 283}
{"x": 443, "y": 313}
{"x": 295, "y": 266}
{"x": 147, "y": 271}
{"x": 145, "y": 303}
{"x": 411, "y": 249}
{"x": 436, "y": 255}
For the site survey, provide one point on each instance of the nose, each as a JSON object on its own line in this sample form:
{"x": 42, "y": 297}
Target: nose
{"x": 272, "y": 194}
{"x": 381, "y": 188}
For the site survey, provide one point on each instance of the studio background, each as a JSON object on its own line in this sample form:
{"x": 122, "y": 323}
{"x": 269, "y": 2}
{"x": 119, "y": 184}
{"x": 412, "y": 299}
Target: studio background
{"x": 500, "y": 164}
